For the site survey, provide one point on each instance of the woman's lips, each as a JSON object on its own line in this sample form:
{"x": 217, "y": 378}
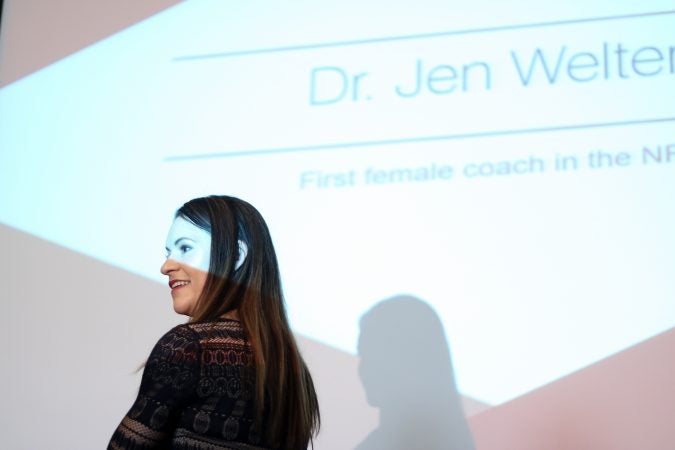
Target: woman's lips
{"x": 177, "y": 284}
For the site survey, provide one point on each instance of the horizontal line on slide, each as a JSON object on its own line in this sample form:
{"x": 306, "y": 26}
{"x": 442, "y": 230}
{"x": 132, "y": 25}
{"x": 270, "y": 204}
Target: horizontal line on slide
{"x": 412, "y": 140}
{"x": 410, "y": 37}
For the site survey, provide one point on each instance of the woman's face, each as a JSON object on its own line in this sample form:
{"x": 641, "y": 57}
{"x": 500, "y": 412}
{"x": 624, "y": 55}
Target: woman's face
{"x": 188, "y": 254}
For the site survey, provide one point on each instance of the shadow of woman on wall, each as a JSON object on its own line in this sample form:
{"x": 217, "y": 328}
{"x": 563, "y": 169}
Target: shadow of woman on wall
{"x": 407, "y": 373}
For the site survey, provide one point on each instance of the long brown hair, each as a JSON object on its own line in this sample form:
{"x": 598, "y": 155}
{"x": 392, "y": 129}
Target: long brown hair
{"x": 284, "y": 387}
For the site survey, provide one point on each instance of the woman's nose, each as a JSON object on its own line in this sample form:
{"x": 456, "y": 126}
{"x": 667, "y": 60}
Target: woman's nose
{"x": 168, "y": 266}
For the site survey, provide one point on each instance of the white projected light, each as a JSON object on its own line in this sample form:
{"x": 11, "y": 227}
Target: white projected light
{"x": 515, "y": 171}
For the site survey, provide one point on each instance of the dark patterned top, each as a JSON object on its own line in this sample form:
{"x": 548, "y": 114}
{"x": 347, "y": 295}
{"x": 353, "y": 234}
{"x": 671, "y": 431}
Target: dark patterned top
{"x": 197, "y": 393}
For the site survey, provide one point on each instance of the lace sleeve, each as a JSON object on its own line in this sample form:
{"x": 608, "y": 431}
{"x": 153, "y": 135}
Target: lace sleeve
{"x": 168, "y": 382}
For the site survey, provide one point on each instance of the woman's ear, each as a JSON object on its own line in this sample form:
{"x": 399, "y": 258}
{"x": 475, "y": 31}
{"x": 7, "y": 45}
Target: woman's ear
{"x": 243, "y": 251}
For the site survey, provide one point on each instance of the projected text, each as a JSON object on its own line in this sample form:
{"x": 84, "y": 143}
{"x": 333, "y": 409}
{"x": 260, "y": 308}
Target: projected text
{"x": 595, "y": 160}
{"x": 551, "y": 66}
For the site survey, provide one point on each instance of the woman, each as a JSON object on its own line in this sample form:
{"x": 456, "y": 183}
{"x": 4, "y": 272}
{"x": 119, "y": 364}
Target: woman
{"x": 232, "y": 377}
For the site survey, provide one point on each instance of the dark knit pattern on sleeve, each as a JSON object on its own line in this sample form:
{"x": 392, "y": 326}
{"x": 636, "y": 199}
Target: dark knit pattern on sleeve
{"x": 197, "y": 393}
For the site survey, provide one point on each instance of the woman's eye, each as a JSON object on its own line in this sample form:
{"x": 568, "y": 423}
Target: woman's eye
{"x": 185, "y": 248}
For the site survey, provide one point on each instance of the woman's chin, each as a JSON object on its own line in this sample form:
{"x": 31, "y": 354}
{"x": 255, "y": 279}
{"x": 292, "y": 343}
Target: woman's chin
{"x": 181, "y": 308}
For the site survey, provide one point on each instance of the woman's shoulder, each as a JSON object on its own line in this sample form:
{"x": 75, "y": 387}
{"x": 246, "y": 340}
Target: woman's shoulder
{"x": 190, "y": 341}
{"x": 219, "y": 331}
{"x": 199, "y": 330}
{"x": 178, "y": 341}
{"x": 223, "y": 341}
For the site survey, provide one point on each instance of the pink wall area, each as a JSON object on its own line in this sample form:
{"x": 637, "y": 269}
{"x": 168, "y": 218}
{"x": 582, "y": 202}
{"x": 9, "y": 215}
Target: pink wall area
{"x": 36, "y": 33}
{"x": 625, "y": 402}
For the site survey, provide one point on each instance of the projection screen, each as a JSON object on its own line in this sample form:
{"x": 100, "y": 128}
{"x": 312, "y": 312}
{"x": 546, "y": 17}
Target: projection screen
{"x": 510, "y": 164}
